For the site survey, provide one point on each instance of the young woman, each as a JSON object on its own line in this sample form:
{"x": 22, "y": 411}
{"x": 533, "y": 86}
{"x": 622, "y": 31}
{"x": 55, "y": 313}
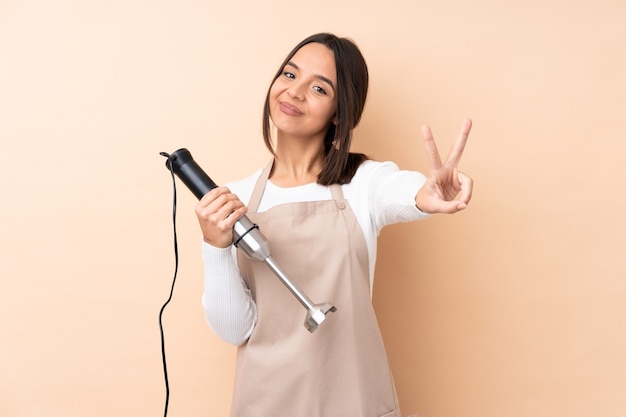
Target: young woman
{"x": 322, "y": 208}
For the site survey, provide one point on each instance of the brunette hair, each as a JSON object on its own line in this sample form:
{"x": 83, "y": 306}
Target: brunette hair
{"x": 340, "y": 164}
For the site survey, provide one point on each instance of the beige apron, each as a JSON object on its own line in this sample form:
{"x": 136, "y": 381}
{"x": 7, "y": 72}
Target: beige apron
{"x": 341, "y": 369}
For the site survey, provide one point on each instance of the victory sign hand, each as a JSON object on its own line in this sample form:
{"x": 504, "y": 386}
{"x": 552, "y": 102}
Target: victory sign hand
{"x": 447, "y": 190}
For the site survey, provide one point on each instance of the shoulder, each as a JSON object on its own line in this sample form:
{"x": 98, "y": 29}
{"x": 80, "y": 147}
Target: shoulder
{"x": 367, "y": 179}
{"x": 371, "y": 169}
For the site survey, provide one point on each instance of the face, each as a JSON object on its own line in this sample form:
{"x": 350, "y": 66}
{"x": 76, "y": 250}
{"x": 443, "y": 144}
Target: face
{"x": 303, "y": 98}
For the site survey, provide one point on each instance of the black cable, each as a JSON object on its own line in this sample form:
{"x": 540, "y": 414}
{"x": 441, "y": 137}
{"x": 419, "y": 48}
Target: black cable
{"x": 167, "y": 384}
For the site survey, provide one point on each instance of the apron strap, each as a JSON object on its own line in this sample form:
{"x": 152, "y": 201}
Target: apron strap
{"x": 259, "y": 187}
{"x": 337, "y": 192}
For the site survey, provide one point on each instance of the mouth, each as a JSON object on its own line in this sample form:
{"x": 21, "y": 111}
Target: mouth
{"x": 289, "y": 109}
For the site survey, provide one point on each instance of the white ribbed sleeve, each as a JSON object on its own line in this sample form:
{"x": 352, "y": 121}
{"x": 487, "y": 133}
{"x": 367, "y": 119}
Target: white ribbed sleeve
{"x": 227, "y": 301}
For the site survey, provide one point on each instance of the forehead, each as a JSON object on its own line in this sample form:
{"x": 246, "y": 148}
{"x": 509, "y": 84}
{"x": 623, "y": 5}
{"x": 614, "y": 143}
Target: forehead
{"x": 317, "y": 59}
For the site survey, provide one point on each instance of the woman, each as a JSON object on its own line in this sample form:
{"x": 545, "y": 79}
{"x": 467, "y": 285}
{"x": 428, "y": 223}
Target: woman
{"x": 321, "y": 207}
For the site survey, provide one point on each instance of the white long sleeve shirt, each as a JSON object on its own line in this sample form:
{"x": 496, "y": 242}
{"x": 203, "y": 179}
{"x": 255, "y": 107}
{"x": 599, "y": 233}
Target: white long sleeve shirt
{"x": 379, "y": 194}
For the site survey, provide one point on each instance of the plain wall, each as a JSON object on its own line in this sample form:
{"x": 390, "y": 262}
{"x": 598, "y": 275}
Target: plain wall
{"x": 515, "y": 307}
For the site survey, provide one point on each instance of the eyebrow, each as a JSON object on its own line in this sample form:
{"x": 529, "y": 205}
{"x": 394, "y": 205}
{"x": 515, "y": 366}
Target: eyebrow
{"x": 318, "y": 76}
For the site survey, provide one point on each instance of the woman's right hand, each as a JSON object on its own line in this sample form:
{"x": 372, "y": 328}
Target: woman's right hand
{"x": 217, "y": 213}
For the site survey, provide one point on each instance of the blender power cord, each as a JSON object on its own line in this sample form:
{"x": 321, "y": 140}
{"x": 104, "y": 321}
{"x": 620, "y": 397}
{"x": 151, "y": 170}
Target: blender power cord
{"x": 167, "y": 384}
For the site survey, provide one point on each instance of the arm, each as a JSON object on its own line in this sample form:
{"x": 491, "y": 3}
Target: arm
{"x": 391, "y": 194}
{"x": 228, "y": 305}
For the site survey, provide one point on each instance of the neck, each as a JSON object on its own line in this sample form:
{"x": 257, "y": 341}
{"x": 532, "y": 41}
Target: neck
{"x": 297, "y": 162}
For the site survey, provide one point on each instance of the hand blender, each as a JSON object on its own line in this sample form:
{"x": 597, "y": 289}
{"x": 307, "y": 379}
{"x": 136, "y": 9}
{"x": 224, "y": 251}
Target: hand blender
{"x": 246, "y": 234}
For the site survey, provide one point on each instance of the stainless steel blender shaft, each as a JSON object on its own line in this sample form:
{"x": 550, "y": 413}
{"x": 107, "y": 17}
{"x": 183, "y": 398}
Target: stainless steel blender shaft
{"x": 248, "y": 237}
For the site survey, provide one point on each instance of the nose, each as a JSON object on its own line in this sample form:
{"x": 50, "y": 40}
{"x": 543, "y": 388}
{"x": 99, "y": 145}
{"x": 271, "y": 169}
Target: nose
{"x": 296, "y": 91}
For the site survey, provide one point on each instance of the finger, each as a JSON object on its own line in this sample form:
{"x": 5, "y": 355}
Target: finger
{"x": 448, "y": 207}
{"x": 236, "y": 215}
{"x": 230, "y": 212}
{"x": 213, "y": 194}
{"x": 467, "y": 186}
{"x": 210, "y": 197}
{"x": 459, "y": 145}
{"x": 432, "y": 154}
{"x": 223, "y": 207}
{"x": 218, "y": 204}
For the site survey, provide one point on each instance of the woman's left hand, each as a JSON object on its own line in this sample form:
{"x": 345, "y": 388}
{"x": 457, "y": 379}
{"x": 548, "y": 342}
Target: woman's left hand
{"x": 447, "y": 190}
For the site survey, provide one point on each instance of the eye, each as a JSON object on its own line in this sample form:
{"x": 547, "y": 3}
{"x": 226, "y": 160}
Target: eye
{"x": 289, "y": 74}
{"x": 320, "y": 90}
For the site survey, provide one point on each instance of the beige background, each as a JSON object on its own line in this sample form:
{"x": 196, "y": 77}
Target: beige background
{"x": 515, "y": 307}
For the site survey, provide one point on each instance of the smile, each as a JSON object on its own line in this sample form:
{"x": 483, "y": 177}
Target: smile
{"x": 289, "y": 109}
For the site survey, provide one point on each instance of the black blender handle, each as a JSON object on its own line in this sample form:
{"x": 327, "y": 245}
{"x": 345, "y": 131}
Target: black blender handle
{"x": 190, "y": 173}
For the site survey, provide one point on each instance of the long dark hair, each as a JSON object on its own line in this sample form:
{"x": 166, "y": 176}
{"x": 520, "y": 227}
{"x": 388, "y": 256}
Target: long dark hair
{"x": 340, "y": 164}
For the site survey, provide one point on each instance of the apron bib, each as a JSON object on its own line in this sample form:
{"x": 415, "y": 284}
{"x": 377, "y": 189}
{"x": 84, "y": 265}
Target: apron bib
{"x": 341, "y": 369}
